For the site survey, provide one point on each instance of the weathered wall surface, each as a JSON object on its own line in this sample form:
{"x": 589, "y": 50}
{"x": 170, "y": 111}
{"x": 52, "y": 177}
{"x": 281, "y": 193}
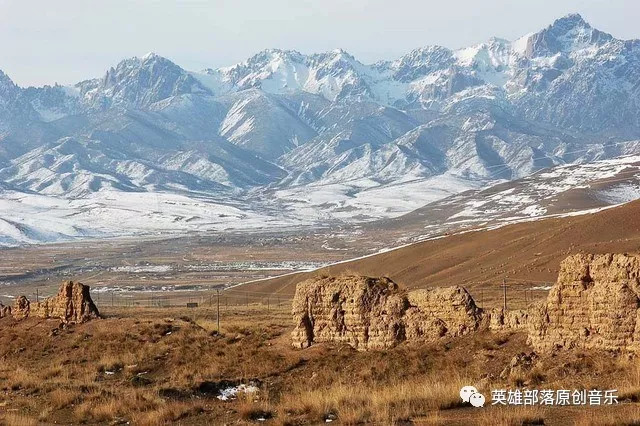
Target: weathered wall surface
{"x": 594, "y": 304}
{"x": 360, "y": 311}
{"x": 439, "y": 312}
{"x": 371, "y": 313}
{"x": 511, "y": 320}
{"x": 72, "y": 304}
{"x": 21, "y": 308}
{"x": 5, "y": 311}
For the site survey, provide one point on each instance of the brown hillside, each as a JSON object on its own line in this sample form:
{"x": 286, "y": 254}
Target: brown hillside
{"x": 522, "y": 252}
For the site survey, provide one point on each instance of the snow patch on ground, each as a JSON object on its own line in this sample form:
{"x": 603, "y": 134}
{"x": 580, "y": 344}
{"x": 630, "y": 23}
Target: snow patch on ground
{"x": 233, "y": 391}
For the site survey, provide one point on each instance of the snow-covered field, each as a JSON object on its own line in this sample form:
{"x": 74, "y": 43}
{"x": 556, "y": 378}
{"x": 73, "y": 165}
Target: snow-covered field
{"x": 534, "y": 196}
{"x": 366, "y": 200}
{"x": 28, "y": 218}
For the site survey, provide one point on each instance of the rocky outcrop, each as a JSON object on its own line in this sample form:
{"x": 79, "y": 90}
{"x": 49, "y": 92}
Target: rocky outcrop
{"x": 72, "y": 304}
{"x": 371, "y": 313}
{"x": 594, "y": 304}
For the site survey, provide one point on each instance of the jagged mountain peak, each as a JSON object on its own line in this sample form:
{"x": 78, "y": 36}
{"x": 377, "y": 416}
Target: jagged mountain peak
{"x": 7, "y": 86}
{"x": 268, "y": 55}
{"x": 4, "y": 79}
{"x": 567, "y": 34}
{"x": 571, "y": 20}
{"x": 334, "y": 56}
{"x": 139, "y": 82}
{"x": 8, "y": 90}
{"x": 150, "y": 55}
{"x": 128, "y": 66}
{"x": 422, "y": 61}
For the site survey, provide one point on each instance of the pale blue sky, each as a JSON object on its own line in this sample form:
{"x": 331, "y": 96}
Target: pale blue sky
{"x": 66, "y": 41}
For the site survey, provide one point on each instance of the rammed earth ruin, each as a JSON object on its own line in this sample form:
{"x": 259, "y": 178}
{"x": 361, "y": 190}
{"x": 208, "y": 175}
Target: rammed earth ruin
{"x": 72, "y": 304}
{"x": 594, "y": 304}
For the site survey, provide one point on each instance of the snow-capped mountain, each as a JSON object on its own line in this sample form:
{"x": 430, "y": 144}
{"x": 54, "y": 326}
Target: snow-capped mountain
{"x": 321, "y": 133}
{"x": 137, "y": 83}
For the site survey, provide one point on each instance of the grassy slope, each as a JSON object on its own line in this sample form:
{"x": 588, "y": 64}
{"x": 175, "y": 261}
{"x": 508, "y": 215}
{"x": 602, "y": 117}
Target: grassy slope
{"x": 481, "y": 259}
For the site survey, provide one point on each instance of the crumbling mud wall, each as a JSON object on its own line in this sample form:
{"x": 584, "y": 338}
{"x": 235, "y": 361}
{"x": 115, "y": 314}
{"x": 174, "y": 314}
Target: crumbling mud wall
{"x": 510, "y": 320}
{"x": 360, "y": 311}
{"x": 21, "y": 308}
{"x": 594, "y": 305}
{"x": 5, "y": 311}
{"x": 371, "y": 313}
{"x": 72, "y": 304}
{"x": 440, "y": 312}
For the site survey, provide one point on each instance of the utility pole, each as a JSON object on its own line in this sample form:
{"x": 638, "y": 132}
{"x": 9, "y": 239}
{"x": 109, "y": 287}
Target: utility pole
{"x": 246, "y": 299}
{"x": 218, "y": 310}
{"x": 504, "y": 295}
{"x": 37, "y": 295}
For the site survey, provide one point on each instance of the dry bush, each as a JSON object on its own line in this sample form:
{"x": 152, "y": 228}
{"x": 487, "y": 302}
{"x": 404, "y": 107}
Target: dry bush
{"x": 629, "y": 383}
{"x": 21, "y": 379}
{"x": 100, "y": 408}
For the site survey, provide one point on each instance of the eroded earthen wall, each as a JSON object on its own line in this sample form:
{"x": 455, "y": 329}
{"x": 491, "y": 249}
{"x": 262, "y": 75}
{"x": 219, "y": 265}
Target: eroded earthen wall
{"x": 72, "y": 304}
{"x": 594, "y": 304}
{"x": 370, "y": 313}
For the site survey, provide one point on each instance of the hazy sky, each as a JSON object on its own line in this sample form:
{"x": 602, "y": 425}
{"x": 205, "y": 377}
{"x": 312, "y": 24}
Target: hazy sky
{"x": 66, "y": 41}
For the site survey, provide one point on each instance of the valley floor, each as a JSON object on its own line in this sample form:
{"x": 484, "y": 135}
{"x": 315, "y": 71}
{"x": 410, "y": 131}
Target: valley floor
{"x": 169, "y": 269}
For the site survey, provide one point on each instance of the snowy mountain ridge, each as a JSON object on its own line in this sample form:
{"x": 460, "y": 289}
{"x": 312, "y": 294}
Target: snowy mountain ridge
{"x": 325, "y": 135}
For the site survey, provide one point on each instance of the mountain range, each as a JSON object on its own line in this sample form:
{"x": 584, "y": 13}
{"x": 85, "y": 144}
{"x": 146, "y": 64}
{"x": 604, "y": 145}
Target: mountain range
{"x": 320, "y": 137}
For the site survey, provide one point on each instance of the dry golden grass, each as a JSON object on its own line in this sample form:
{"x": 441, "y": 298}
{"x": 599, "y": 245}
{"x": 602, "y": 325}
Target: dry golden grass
{"x": 356, "y": 404}
{"x": 63, "y": 397}
{"x": 162, "y": 366}
{"x": 14, "y": 419}
{"x": 510, "y": 416}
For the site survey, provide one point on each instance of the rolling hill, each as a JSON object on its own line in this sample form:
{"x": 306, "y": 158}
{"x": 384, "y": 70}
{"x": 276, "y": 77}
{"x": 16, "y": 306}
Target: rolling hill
{"x": 522, "y": 253}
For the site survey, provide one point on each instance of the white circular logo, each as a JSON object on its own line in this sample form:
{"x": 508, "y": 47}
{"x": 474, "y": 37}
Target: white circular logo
{"x": 477, "y": 400}
{"x": 471, "y": 395}
{"x": 466, "y": 392}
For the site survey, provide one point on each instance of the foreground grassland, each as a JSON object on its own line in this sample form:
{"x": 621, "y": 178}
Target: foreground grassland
{"x": 157, "y": 366}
